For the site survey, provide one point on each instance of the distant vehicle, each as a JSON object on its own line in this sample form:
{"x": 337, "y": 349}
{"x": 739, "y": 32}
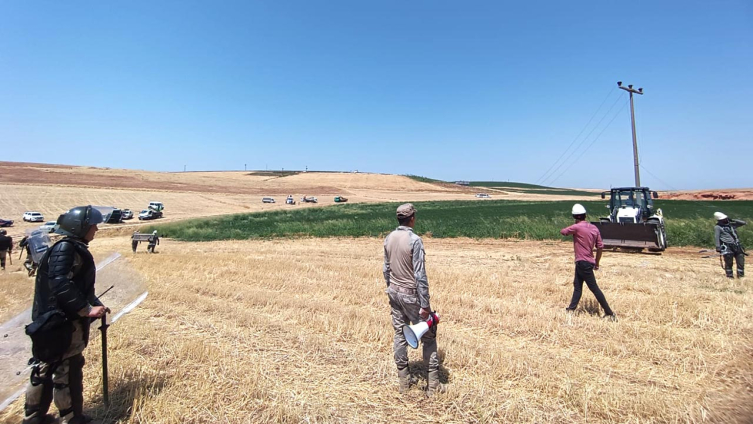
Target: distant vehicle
{"x": 127, "y": 214}
{"x": 483, "y": 196}
{"x": 311, "y": 199}
{"x": 6, "y": 222}
{"x": 116, "y": 216}
{"x": 290, "y": 200}
{"x": 633, "y": 222}
{"x": 340, "y": 199}
{"x": 33, "y": 217}
{"x": 267, "y": 200}
{"x": 149, "y": 214}
{"x": 156, "y": 208}
{"x": 48, "y": 226}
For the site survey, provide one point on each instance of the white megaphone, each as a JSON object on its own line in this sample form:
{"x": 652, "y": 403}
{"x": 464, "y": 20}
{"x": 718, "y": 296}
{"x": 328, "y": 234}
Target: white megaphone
{"x": 413, "y": 333}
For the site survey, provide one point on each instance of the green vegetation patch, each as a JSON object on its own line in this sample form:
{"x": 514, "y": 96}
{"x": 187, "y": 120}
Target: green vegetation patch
{"x": 689, "y": 223}
{"x": 423, "y": 179}
{"x": 532, "y": 188}
{"x": 505, "y": 184}
{"x": 273, "y": 173}
{"x": 553, "y": 191}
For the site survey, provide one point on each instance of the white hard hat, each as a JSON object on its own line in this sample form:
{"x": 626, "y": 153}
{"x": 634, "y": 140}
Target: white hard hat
{"x": 578, "y": 209}
{"x": 155, "y": 232}
{"x": 719, "y": 216}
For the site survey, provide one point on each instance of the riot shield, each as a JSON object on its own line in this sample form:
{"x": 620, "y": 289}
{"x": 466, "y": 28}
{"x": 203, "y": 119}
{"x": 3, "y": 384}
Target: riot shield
{"x": 106, "y": 211}
{"x": 121, "y": 289}
{"x": 39, "y": 242}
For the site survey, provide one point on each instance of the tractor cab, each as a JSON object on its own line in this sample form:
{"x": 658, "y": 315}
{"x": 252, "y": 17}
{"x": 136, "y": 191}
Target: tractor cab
{"x": 630, "y": 204}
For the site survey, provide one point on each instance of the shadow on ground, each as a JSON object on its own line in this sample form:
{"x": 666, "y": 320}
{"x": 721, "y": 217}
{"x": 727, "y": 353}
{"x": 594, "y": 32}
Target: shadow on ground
{"x": 122, "y": 394}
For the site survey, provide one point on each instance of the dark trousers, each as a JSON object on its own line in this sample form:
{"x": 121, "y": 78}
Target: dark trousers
{"x": 739, "y": 257}
{"x": 584, "y": 271}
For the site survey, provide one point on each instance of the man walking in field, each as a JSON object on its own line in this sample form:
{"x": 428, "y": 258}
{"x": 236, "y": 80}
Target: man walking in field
{"x": 408, "y": 291}
{"x": 153, "y": 242}
{"x": 585, "y": 237}
{"x": 728, "y": 244}
{"x": 6, "y": 247}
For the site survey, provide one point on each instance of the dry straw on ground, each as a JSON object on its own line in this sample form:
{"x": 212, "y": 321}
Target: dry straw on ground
{"x": 299, "y": 331}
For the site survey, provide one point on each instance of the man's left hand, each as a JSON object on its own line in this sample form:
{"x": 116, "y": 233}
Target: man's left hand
{"x": 424, "y": 313}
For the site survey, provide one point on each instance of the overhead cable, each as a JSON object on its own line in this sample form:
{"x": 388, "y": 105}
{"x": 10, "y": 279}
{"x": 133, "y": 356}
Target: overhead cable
{"x": 541, "y": 178}
{"x": 619, "y": 112}
{"x": 584, "y": 140}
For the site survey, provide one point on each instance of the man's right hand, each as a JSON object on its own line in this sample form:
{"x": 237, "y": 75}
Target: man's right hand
{"x": 97, "y": 312}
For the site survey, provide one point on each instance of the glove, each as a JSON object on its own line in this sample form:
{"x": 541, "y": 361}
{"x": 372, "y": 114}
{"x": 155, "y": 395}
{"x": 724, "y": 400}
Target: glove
{"x": 719, "y": 250}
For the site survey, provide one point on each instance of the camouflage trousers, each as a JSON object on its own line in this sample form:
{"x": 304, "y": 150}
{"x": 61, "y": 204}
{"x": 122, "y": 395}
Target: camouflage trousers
{"x": 405, "y": 310}
{"x": 61, "y": 381}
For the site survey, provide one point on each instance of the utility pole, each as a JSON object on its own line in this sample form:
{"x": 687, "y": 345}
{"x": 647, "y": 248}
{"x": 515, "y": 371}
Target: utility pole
{"x": 630, "y": 90}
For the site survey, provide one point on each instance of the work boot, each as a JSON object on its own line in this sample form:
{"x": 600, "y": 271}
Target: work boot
{"x": 403, "y": 376}
{"x": 78, "y": 419}
{"x": 43, "y": 419}
{"x": 434, "y": 385}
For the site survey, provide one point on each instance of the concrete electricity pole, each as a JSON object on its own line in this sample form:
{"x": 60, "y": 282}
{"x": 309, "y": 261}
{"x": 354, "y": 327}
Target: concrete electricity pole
{"x": 630, "y": 90}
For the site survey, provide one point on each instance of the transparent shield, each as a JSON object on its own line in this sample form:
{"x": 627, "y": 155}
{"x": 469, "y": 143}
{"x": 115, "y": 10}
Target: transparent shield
{"x": 106, "y": 211}
{"x": 39, "y": 241}
{"x": 123, "y": 289}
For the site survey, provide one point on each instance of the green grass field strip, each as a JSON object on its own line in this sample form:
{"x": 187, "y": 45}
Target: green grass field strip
{"x": 506, "y": 184}
{"x": 689, "y": 223}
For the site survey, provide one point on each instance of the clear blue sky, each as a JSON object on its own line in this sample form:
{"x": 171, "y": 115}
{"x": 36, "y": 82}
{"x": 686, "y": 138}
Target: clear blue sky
{"x": 452, "y": 90}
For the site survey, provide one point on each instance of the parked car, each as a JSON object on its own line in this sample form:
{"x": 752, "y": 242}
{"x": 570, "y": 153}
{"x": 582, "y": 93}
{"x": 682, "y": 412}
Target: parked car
{"x": 48, "y": 226}
{"x": 6, "y": 222}
{"x": 127, "y": 214}
{"x": 267, "y": 200}
{"x": 290, "y": 200}
{"x": 33, "y": 217}
{"x": 310, "y": 199}
{"x": 149, "y": 214}
{"x": 483, "y": 196}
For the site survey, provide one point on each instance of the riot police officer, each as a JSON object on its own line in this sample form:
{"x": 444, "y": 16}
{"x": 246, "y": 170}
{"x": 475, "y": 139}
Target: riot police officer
{"x": 6, "y": 247}
{"x": 64, "y": 304}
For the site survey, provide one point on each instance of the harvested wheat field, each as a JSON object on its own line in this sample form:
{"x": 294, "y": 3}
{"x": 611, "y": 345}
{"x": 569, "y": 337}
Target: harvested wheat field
{"x": 299, "y": 331}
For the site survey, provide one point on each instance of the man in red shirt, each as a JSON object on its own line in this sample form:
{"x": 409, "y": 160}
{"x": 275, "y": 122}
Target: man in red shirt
{"x": 585, "y": 237}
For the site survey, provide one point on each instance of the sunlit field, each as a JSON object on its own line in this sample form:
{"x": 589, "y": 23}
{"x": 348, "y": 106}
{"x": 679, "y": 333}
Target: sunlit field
{"x": 299, "y": 331}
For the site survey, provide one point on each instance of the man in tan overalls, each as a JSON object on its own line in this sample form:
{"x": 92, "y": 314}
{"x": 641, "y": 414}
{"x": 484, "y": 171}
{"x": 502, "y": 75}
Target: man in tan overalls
{"x": 408, "y": 291}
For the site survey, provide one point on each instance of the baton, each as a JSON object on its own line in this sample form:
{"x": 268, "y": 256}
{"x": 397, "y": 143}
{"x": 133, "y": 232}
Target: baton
{"x": 103, "y": 328}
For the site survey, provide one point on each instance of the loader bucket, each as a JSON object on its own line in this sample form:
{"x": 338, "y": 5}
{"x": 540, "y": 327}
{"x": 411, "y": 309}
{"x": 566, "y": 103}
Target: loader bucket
{"x": 641, "y": 236}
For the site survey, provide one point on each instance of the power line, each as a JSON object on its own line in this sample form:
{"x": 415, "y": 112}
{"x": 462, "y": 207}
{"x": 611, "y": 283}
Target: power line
{"x": 659, "y": 179}
{"x": 619, "y": 112}
{"x": 576, "y": 137}
{"x": 583, "y": 141}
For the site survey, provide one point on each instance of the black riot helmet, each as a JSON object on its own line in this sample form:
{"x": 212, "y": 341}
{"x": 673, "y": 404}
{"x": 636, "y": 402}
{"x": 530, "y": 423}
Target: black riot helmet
{"x": 3, "y": 232}
{"x": 77, "y": 221}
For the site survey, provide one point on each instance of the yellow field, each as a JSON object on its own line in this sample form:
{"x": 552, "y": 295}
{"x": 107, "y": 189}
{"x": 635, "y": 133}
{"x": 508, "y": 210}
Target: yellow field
{"x": 299, "y": 331}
